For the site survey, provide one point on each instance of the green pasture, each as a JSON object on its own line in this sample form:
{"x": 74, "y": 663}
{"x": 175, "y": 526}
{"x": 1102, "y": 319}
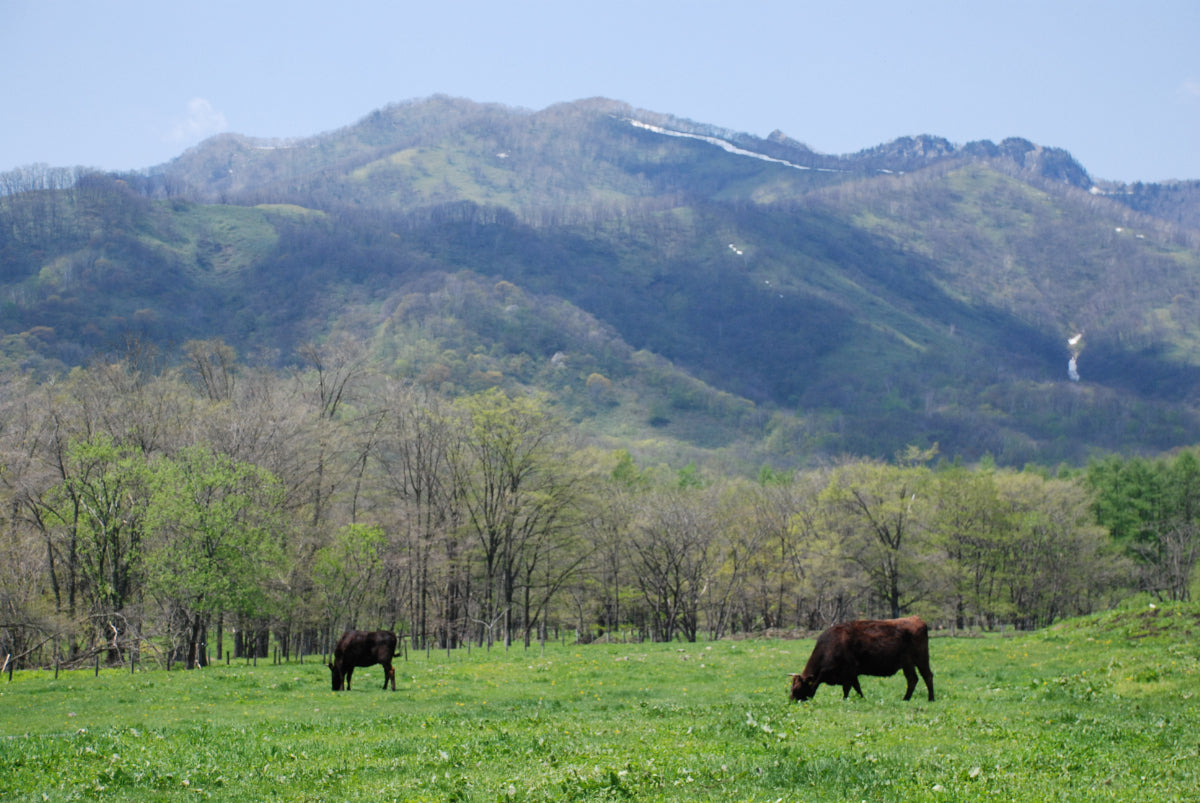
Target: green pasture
{"x": 1105, "y": 708}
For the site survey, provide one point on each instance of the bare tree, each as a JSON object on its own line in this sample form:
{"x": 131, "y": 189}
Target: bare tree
{"x": 520, "y": 488}
{"x": 418, "y": 444}
{"x": 338, "y": 366}
{"x": 211, "y": 367}
{"x": 673, "y": 553}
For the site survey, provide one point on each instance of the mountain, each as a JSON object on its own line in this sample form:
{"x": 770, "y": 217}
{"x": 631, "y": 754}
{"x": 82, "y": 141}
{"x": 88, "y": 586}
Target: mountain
{"x": 670, "y": 284}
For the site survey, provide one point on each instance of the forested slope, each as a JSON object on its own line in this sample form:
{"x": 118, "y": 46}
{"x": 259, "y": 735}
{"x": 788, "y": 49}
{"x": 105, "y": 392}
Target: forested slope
{"x": 914, "y": 293}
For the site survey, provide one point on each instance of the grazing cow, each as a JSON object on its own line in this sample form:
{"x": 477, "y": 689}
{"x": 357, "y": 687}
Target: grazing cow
{"x": 362, "y": 648}
{"x": 879, "y": 647}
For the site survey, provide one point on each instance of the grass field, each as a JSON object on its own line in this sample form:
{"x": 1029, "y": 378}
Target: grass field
{"x": 1105, "y": 708}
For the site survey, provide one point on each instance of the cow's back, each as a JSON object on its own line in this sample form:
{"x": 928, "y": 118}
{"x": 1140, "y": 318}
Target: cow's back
{"x": 364, "y": 648}
{"x": 345, "y": 645}
{"x": 877, "y": 647}
{"x": 383, "y": 646}
{"x": 883, "y": 646}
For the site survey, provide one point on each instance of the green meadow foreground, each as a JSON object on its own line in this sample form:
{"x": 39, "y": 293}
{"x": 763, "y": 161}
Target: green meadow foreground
{"x": 1105, "y": 708}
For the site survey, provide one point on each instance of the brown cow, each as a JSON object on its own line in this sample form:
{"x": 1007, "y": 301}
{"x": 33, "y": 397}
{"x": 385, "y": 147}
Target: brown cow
{"x": 362, "y": 648}
{"x": 879, "y": 647}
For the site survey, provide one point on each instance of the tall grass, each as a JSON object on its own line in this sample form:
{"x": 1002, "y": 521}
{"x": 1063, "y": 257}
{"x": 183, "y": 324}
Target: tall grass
{"x": 1106, "y": 708}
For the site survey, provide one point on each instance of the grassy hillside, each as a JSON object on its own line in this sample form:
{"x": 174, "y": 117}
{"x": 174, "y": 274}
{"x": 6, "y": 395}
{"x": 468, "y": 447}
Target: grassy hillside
{"x": 1060, "y": 260}
{"x": 1099, "y": 709}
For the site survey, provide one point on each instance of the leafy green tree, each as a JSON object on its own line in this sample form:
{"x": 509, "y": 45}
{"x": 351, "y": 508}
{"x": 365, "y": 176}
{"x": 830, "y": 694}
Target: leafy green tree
{"x": 215, "y": 538}
{"x": 626, "y": 472}
{"x": 972, "y": 526}
{"x": 689, "y": 477}
{"x": 1059, "y": 561}
{"x": 348, "y": 572}
{"x": 1152, "y": 510}
{"x": 828, "y": 585}
{"x": 1128, "y": 497}
{"x": 883, "y": 514}
{"x": 100, "y": 503}
{"x": 1179, "y": 542}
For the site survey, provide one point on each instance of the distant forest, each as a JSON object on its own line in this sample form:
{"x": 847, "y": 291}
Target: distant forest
{"x": 178, "y": 515}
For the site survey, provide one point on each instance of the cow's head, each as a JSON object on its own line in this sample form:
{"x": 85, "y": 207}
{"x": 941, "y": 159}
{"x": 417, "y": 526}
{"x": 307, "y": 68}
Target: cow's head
{"x": 803, "y": 688}
{"x": 336, "y": 671}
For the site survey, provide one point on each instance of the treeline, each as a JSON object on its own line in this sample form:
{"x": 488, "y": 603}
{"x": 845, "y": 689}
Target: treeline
{"x": 40, "y": 176}
{"x": 212, "y": 508}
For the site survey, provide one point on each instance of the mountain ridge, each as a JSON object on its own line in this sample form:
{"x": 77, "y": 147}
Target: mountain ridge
{"x": 900, "y": 155}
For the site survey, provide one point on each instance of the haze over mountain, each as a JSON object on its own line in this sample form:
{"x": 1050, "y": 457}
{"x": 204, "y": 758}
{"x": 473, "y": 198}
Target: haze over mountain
{"x": 675, "y": 287}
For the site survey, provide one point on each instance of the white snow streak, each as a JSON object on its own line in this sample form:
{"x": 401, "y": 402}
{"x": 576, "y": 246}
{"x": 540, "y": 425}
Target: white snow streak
{"x": 726, "y": 146}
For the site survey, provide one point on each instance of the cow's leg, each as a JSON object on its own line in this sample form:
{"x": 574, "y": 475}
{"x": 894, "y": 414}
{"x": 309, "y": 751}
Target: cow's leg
{"x": 349, "y": 674}
{"x": 857, "y": 688}
{"x": 927, "y": 675}
{"x": 846, "y": 687}
{"x": 910, "y": 676}
{"x": 389, "y": 674}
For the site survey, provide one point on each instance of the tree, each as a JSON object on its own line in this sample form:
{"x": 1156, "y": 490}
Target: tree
{"x": 348, "y": 573}
{"x": 1059, "y": 561}
{"x": 971, "y": 524}
{"x": 216, "y": 545}
{"x": 828, "y": 584}
{"x": 673, "y": 544}
{"x": 780, "y": 509}
{"x": 338, "y": 449}
{"x": 211, "y": 367}
{"x": 100, "y": 504}
{"x": 608, "y": 528}
{"x": 520, "y": 490}
{"x": 1152, "y": 510}
{"x": 882, "y": 512}
{"x": 748, "y": 535}
{"x": 416, "y": 471}
{"x": 338, "y": 366}
{"x": 1178, "y": 547}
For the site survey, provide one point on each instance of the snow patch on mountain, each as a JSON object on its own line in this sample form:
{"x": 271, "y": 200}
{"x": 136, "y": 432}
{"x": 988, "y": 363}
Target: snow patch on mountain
{"x": 725, "y": 146}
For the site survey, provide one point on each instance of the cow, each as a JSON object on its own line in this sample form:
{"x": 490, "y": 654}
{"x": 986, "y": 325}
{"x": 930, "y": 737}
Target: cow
{"x": 363, "y": 648}
{"x": 879, "y": 647}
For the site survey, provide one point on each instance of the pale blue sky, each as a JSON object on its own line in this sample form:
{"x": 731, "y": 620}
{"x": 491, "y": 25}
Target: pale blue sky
{"x": 131, "y": 83}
